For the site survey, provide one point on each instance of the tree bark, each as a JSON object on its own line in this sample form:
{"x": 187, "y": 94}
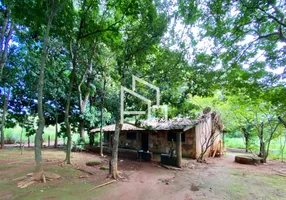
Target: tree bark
{"x": 246, "y": 137}
{"x": 21, "y": 141}
{"x": 102, "y": 112}
{"x": 269, "y": 142}
{"x": 56, "y": 133}
{"x": 283, "y": 121}
{"x": 83, "y": 99}
{"x": 261, "y": 142}
{"x": 67, "y": 108}
{"x": 68, "y": 99}
{"x": 38, "y": 174}
{"x": 5, "y": 39}
{"x": 179, "y": 149}
{"x": 81, "y": 128}
{"x": 114, "y": 171}
{"x": 6, "y": 100}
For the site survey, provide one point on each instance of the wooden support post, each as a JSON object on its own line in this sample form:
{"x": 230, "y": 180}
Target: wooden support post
{"x": 223, "y": 140}
{"x": 49, "y": 141}
{"x": 179, "y": 149}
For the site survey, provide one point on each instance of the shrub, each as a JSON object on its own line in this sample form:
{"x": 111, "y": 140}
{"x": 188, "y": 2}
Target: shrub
{"x": 9, "y": 138}
{"x": 93, "y": 162}
{"x": 104, "y": 167}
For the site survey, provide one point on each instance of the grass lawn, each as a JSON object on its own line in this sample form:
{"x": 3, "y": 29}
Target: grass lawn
{"x": 274, "y": 152}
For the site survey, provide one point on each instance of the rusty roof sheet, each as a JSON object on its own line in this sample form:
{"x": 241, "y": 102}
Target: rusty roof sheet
{"x": 173, "y": 124}
{"x": 177, "y": 123}
{"x": 125, "y": 127}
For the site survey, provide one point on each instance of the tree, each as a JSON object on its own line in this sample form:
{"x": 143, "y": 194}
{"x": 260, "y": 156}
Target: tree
{"x": 52, "y": 11}
{"x": 6, "y": 96}
{"x": 114, "y": 160}
{"x": 7, "y": 28}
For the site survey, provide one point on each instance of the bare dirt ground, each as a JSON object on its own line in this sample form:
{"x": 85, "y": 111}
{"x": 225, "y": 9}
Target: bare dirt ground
{"x": 221, "y": 178}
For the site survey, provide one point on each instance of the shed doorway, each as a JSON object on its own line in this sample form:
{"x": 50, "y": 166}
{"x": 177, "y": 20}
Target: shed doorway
{"x": 144, "y": 141}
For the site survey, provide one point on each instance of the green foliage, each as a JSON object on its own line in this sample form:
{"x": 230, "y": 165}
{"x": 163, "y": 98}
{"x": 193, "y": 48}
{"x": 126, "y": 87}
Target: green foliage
{"x": 93, "y": 117}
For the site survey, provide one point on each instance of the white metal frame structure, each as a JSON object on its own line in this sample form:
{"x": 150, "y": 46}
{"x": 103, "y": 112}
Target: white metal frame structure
{"x": 148, "y": 101}
{"x": 157, "y": 106}
{"x": 135, "y": 78}
{"x": 123, "y": 112}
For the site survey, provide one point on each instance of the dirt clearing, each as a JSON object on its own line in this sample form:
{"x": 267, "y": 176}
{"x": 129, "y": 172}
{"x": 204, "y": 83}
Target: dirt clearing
{"x": 220, "y": 179}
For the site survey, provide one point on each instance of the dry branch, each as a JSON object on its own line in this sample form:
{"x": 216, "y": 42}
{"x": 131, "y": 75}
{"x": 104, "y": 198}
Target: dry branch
{"x": 171, "y": 167}
{"x": 104, "y": 184}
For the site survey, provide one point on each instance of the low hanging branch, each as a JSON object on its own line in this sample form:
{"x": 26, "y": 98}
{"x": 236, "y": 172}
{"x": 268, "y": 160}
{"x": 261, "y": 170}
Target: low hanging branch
{"x": 283, "y": 121}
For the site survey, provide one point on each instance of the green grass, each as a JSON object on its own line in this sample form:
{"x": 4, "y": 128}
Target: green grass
{"x": 274, "y": 152}
{"x": 234, "y": 143}
{"x": 14, "y": 135}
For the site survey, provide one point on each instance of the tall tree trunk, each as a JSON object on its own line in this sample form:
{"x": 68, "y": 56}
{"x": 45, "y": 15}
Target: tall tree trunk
{"x": 261, "y": 141}
{"x": 114, "y": 171}
{"x": 67, "y": 123}
{"x": 272, "y": 131}
{"x": 83, "y": 98}
{"x": 246, "y": 137}
{"x": 68, "y": 100}
{"x": 38, "y": 175}
{"x": 283, "y": 121}
{"x": 56, "y": 133}
{"x": 81, "y": 128}
{"x": 179, "y": 149}
{"x": 5, "y": 105}
{"x": 101, "y": 117}
{"x": 5, "y": 39}
{"x": 21, "y": 140}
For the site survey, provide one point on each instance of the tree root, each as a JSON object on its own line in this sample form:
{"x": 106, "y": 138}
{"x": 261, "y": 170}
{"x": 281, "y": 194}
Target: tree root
{"x": 115, "y": 176}
{"x": 32, "y": 178}
{"x": 65, "y": 163}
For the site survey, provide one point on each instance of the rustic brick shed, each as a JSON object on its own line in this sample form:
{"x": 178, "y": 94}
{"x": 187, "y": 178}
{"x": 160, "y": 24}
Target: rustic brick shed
{"x": 159, "y": 137}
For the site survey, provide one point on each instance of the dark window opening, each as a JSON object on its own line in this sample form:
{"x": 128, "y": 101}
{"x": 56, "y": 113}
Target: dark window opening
{"x": 106, "y": 137}
{"x": 173, "y": 137}
{"x": 131, "y": 136}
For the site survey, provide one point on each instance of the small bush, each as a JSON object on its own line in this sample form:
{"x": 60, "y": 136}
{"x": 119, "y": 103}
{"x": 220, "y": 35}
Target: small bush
{"x": 104, "y": 167}
{"x": 93, "y": 162}
{"x": 9, "y": 137}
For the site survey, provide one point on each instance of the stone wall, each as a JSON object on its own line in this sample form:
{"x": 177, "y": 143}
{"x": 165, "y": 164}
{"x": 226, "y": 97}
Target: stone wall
{"x": 127, "y": 143}
{"x": 158, "y": 143}
{"x": 189, "y": 146}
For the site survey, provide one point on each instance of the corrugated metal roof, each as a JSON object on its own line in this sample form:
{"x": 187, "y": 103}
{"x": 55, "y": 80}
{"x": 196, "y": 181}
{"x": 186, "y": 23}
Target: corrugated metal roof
{"x": 160, "y": 125}
{"x": 173, "y": 124}
{"x": 125, "y": 127}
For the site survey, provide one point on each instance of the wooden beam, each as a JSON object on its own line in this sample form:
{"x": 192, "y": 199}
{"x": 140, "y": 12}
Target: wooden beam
{"x": 179, "y": 149}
